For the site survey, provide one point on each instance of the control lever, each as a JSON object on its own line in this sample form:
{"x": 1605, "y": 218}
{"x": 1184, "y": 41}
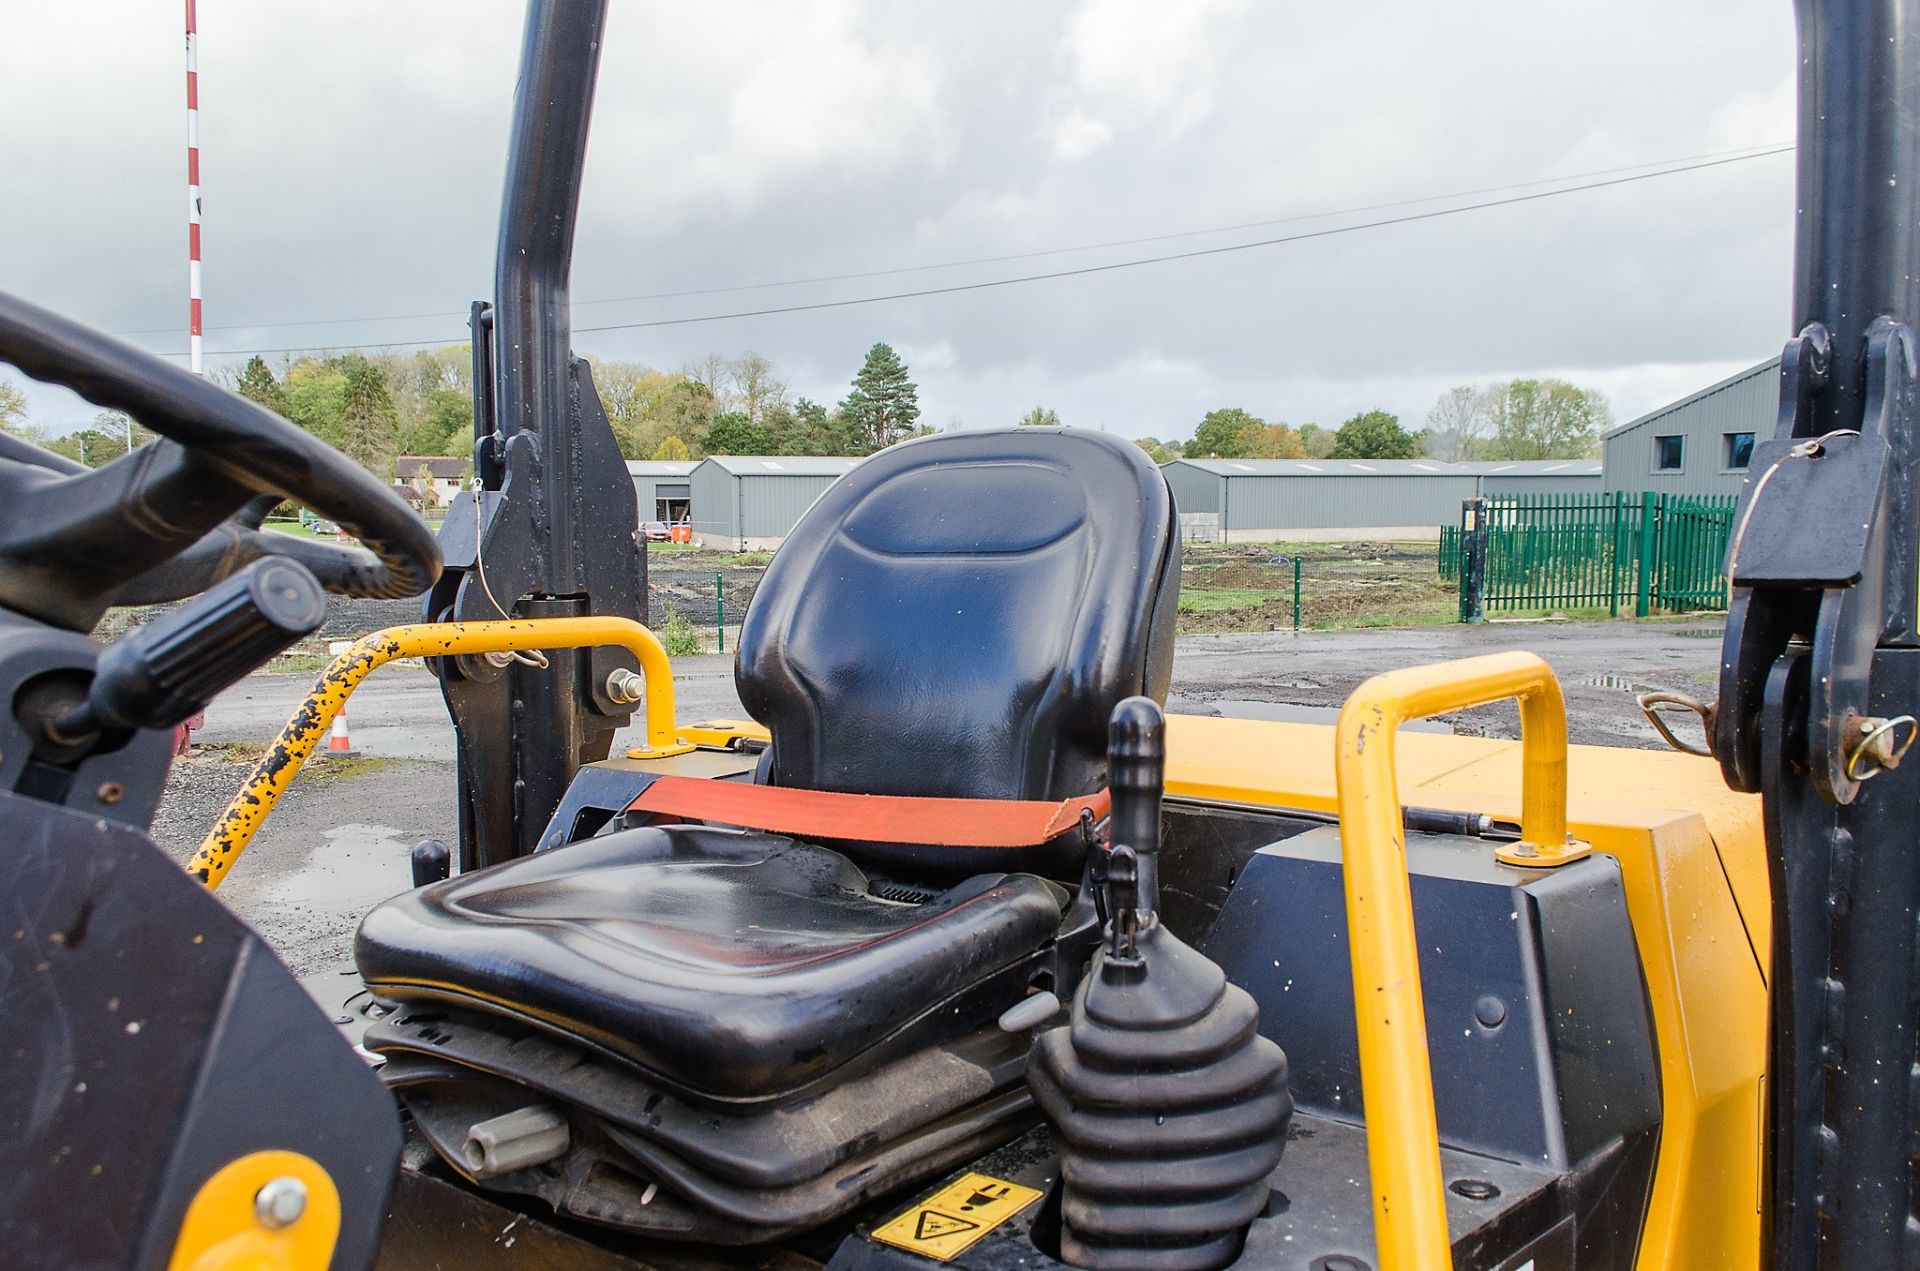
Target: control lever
{"x": 165, "y": 671}
{"x": 1160, "y": 1072}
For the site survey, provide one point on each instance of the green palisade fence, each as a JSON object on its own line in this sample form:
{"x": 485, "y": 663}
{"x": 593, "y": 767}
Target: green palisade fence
{"x": 1638, "y": 552}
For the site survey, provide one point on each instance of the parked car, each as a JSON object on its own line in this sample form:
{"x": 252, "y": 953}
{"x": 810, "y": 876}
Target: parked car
{"x": 655, "y": 531}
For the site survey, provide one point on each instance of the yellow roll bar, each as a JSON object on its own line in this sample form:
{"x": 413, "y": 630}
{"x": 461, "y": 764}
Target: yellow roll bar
{"x": 1396, "y": 1076}
{"x": 271, "y": 776}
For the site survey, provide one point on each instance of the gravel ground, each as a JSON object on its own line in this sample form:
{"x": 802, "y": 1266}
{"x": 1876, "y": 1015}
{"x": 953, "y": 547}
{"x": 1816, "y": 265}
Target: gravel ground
{"x": 337, "y": 844}
{"x": 1601, "y": 667}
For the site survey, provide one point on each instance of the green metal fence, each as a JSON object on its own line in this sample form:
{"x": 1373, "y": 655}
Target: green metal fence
{"x": 1610, "y": 551}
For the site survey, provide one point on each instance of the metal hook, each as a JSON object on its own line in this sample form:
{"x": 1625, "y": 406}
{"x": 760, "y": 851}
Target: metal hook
{"x": 1649, "y": 706}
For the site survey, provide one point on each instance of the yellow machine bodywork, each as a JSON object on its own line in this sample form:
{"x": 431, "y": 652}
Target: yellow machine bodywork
{"x": 1692, "y": 861}
{"x": 1691, "y": 857}
{"x": 1693, "y": 866}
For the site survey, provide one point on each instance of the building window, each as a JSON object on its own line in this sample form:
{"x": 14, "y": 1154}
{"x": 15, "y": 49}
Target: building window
{"x": 1739, "y": 449}
{"x": 1669, "y": 453}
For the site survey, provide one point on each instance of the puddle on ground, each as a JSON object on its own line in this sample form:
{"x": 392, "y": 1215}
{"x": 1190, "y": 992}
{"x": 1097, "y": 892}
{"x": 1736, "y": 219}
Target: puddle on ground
{"x": 357, "y": 866}
{"x": 1621, "y": 682}
{"x": 1287, "y": 713}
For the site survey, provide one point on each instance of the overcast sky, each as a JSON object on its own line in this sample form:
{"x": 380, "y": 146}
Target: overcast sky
{"x": 353, "y": 157}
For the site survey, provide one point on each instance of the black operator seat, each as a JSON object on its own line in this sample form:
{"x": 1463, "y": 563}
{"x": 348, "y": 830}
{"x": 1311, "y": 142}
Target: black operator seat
{"x": 956, "y": 617}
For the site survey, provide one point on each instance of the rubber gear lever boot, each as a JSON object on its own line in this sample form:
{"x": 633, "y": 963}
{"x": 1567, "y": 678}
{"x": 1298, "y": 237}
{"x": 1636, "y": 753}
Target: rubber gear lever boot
{"x": 1171, "y": 1107}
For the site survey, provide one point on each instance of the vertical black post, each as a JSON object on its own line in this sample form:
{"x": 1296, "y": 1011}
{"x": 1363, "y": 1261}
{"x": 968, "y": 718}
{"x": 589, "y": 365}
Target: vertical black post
{"x": 1858, "y": 223}
{"x": 551, "y": 531}
{"x": 1811, "y": 655}
{"x": 1473, "y": 560}
{"x": 533, "y": 269}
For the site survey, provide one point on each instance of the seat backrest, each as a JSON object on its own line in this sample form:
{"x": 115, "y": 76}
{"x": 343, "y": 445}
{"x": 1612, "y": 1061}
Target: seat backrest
{"x": 959, "y": 615}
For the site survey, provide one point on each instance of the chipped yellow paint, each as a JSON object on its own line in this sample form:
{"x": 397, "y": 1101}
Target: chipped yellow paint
{"x": 271, "y": 776}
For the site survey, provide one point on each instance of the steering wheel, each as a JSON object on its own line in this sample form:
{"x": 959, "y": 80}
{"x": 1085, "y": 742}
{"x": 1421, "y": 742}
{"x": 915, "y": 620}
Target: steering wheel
{"x": 153, "y": 525}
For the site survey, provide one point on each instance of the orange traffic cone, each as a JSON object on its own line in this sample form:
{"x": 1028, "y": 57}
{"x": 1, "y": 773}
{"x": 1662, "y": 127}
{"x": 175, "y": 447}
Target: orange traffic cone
{"x": 337, "y": 744}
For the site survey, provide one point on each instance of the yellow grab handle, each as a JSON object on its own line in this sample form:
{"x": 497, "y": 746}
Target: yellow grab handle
{"x": 271, "y": 776}
{"x": 1396, "y": 1076}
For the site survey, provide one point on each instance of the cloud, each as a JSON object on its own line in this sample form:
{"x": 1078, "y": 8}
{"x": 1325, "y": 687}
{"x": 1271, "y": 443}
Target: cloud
{"x": 1137, "y": 64}
{"x": 938, "y": 356}
{"x": 354, "y": 158}
{"x": 1079, "y": 135}
{"x": 749, "y": 105}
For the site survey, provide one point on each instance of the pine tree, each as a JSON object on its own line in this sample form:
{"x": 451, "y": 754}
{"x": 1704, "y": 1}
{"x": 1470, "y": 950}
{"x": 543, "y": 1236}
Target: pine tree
{"x": 371, "y": 436}
{"x": 257, "y": 385}
{"x": 884, "y": 403}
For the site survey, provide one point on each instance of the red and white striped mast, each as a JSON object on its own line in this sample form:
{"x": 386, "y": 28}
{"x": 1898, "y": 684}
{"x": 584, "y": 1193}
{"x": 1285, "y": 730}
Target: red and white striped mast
{"x": 193, "y": 193}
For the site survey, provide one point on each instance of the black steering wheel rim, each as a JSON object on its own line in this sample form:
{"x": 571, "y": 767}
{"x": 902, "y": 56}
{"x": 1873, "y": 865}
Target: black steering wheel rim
{"x": 245, "y": 443}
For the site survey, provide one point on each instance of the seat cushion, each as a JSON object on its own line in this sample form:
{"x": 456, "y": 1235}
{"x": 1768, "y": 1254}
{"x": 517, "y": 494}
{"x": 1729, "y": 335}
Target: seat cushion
{"x": 730, "y": 964}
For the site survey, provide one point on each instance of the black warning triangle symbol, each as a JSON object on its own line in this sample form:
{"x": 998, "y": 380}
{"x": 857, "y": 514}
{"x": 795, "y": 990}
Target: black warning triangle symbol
{"x": 933, "y": 1224}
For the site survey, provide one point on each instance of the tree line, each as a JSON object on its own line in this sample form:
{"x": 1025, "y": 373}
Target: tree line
{"x": 376, "y": 407}
{"x": 1516, "y": 419}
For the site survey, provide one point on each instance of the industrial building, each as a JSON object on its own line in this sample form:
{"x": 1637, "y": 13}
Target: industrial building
{"x": 1700, "y": 444}
{"x": 1535, "y": 476}
{"x": 663, "y": 488}
{"x": 750, "y": 502}
{"x": 1300, "y": 500}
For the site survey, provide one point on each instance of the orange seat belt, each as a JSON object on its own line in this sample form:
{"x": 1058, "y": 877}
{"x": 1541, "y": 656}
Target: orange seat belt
{"x": 869, "y": 818}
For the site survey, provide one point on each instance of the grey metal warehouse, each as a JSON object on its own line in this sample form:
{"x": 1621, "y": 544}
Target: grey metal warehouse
{"x": 1535, "y": 476}
{"x": 751, "y": 502}
{"x": 1698, "y": 445}
{"x": 663, "y": 488}
{"x": 1300, "y": 500}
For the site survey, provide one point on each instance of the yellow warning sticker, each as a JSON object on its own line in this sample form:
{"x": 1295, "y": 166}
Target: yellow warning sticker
{"x": 948, "y": 1222}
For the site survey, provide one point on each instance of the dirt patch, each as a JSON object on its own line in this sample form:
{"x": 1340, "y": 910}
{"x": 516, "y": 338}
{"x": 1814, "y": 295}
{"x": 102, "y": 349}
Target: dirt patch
{"x": 1249, "y": 587}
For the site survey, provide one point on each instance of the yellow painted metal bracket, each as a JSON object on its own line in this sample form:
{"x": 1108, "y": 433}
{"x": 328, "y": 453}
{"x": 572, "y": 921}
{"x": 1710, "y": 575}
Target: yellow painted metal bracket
{"x": 266, "y": 1211}
{"x": 271, "y": 776}
{"x": 715, "y": 734}
{"x": 1396, "y": 1075}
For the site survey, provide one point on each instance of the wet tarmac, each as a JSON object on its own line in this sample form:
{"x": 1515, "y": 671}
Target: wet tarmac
{"x": 338, "y": 843}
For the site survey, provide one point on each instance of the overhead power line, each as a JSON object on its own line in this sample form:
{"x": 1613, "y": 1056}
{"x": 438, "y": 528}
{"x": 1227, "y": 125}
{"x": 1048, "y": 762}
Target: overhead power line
{"x": 1743, "y": 152}
{"x": 1580, "y": 186}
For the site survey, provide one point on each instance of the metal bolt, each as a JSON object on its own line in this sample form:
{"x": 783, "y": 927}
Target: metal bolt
{"x": 1474, "y": 1188}
{"x": 280, "y": 1202}
{"x": 625, "y": 686}
{"x": 1490, "y": 1011}
{"x": 1340, "y": 1262}
{"x": 110, "y": 792}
